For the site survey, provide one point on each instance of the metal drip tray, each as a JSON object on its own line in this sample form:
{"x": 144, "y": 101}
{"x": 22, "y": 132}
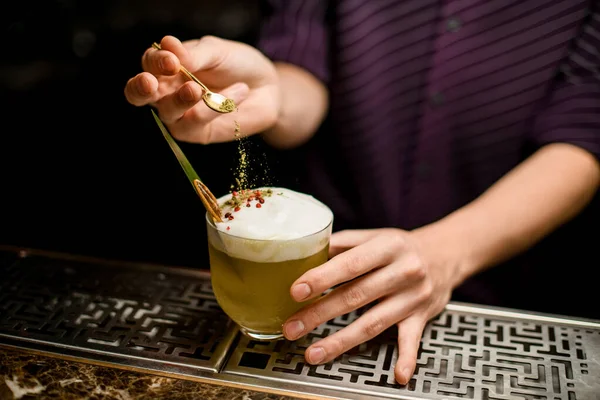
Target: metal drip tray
{"x": 111, "y": 312}
{"x": 166, "y": 320}
{"x": 465, "y": 353}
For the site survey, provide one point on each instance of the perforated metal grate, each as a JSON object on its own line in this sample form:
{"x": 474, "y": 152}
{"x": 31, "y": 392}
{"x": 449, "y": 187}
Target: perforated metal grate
{"x": 463, "y": 355}
{"x": 114, "y": 311}
{"x": 166, "y": 320}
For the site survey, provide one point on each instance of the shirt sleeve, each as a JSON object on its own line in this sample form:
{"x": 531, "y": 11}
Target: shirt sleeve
{"x": 572, "y": 113}
{"x": 296, "y": 32}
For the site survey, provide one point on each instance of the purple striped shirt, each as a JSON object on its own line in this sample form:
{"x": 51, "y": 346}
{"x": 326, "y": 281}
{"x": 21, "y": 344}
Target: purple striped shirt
{"x": 432, "y": 101}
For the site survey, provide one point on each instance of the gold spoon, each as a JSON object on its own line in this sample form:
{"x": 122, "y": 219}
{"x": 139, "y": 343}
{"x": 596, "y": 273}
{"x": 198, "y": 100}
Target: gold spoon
{"x": 215, "y": 101}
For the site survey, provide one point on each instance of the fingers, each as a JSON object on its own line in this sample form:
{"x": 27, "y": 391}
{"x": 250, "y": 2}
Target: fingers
{"x": 401, "y": 278}
{"x": 167, "y": 62}
{"x": 171, "y": 44}
{"x": 371, "y": 324}
{"x": 345, "y": 240}
{"x": 410, "y": 332}
{"x": 342, "y": 300}
{"x": 173, "y": 55}
{"x": 142, "y": 89}
{"x": 185, "y": 112}
{"x": 344, "y": 267}
{"x": 197, "y": 55}
{"x": 161, "y": 62}
{"x": 173, "y": 106}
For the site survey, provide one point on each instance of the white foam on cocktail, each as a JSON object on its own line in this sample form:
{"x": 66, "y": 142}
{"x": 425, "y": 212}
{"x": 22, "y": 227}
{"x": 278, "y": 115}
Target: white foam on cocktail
{"x": 288, "y": 226}
{"x": 284, "y": 215}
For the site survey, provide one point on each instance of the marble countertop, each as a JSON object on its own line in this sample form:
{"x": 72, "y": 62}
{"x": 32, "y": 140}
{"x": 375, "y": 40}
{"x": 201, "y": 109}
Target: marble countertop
{"x": 28, "y": 376}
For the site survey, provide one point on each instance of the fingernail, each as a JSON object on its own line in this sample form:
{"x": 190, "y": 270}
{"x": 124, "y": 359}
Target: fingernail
{"x": 316, "y": 355}
{"x": 187, "y": 94}
{"x": 300, "y": 292}
{"x": 166, "y": 64}
{"x": 293, "y": 329}
{"x": 142, "y": 86}
{"x": 237, "y": 89}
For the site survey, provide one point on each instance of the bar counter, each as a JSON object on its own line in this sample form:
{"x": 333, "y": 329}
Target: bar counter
{"x": 74, "y": 327}
{"x": 24, "y": 375}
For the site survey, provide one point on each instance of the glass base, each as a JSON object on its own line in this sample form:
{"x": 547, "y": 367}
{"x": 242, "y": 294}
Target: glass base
{"x": 262, "y": 336}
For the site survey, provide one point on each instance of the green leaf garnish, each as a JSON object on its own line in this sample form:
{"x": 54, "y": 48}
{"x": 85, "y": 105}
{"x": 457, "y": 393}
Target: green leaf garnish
{"x": 183, "y": 161}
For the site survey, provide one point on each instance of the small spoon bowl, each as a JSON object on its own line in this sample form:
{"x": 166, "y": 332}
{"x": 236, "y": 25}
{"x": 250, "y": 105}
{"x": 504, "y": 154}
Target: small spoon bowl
{"x": 218, "y": 102}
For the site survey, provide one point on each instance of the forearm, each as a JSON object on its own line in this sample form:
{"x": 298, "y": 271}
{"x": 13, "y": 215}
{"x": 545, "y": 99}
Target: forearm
{"x": 304, "y": 103}
{"x": 535, "y": 198}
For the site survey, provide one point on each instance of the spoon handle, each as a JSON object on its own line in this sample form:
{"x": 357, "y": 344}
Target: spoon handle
{"x": 185, "y": 71}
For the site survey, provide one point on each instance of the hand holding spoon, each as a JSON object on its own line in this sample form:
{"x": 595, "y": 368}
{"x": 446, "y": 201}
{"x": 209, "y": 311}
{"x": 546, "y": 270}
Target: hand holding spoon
{"x": 214, "y": 101}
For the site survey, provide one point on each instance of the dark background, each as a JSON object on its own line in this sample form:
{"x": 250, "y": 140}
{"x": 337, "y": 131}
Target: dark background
{"x": 82, "y": 170}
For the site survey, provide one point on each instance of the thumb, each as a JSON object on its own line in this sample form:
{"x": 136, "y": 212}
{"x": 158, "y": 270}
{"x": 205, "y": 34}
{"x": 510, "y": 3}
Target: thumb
{"x": 238, "y": 92}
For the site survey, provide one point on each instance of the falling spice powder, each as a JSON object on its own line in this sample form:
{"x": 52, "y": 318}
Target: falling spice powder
{"x": 247, "y": 178}
{"x": 241, "y": 171}
{"x": 251, "y": 168}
